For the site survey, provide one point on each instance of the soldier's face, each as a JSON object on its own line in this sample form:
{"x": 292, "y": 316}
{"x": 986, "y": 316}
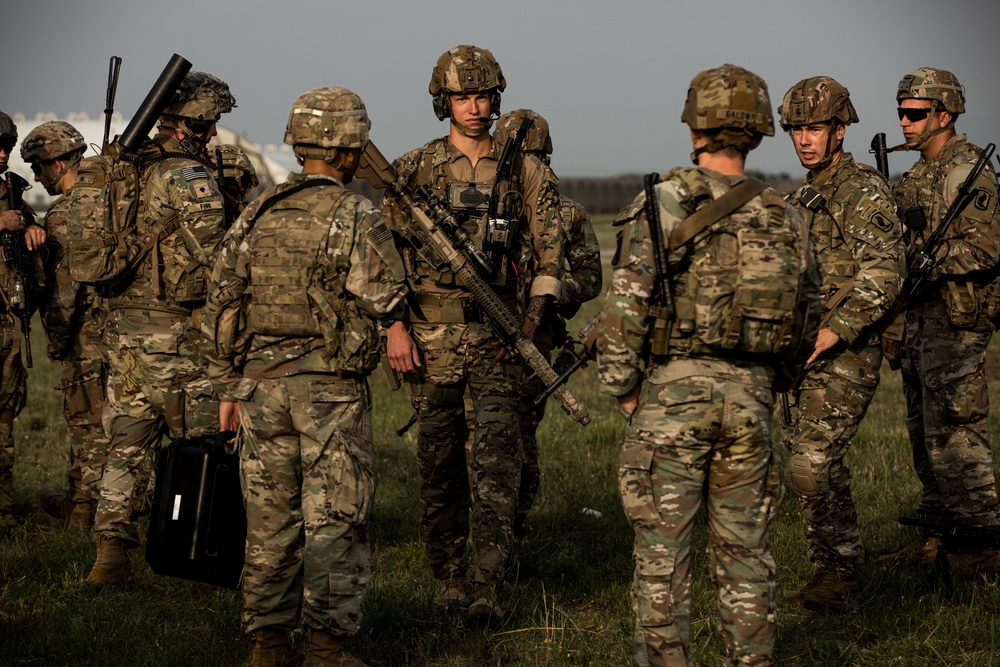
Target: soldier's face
{"x": 470, "y": 110}
{"x": 5, "y": 149}
{"x": 47, "y": 172}
{"x": 812, "y": 142}
{"x": 914, "y": 118}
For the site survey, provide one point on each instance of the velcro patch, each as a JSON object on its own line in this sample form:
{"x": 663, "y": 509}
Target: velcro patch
{"x": 982, "y": 199}
{"x": 194, "y": 173}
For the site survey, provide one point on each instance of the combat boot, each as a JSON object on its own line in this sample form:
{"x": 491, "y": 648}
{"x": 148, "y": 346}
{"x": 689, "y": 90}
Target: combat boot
{"x": 922, "y": 551}
{"x": 484, "y": 607}
{"x": 325, "y": 650}
{"x": 828, "y": 590}
{"x": 971, "y": 564}
{"x": 79, "y": 516}
{"x": 272, "y": 649}
{"x": 56, "y": 503}
{"x": 451, "y": 593}
{"x": 111, "y": 568}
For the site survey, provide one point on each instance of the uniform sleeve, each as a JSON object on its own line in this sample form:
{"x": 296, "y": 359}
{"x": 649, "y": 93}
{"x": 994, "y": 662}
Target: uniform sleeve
{"x": 974, "y": 237}
{"x": 192, "y": 193}
{"x": 376, "y": 276}
{"x": 868, "y": 215}
{"x": 623, "y": 324}
{"x": 62, "y": 294}
{"x": 585, "y": 277}
{"x": 542, "y": 205}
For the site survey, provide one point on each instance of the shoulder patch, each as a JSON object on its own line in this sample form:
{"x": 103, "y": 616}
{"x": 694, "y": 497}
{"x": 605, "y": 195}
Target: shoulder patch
{"x": 194, "y": 172}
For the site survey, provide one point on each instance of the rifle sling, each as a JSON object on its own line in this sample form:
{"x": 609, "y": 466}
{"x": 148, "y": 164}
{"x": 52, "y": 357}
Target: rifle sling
{"x": 714, "y": 211}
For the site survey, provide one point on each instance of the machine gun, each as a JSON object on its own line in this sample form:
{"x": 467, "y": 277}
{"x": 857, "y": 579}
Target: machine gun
{"x": 924, "y": 261}
{"x": 14, "y": 253}
{"x": 954, "y": 539}
{"x": 438, "y": 238}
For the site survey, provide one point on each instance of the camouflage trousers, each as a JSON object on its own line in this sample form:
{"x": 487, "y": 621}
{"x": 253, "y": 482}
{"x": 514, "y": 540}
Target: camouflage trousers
{"x": 308, "y": 475}
{"x": 459, "y": 498}
{"x": 947, "y": 405}
{"x": 828, "y": 408}
{"x": 156, "y": 389}
{"x": 13, "y": 392}
{"x": 83, "y": 387}
{"x": 701, "y": 440}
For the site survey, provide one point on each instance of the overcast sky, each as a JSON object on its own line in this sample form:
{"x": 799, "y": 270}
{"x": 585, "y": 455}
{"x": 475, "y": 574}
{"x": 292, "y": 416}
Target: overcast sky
{"x": 610, "y": 77}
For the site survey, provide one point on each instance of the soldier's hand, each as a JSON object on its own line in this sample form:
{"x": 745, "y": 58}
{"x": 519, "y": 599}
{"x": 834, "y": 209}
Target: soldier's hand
{"x": 404, "y": 356}
{"x": 229, "y": 416}
{"x": 629, "y": 402}
{"x": 825, "y": 340}
{"x": 34, "y": 237}
{"x": 11, "y": 221}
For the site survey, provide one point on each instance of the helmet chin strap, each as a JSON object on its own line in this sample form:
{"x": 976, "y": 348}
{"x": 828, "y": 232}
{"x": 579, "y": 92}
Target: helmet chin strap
{"x": 828, "y": 153}
{"x": 191, "y": 143}
{"x": 464, "y": 131}
{"x": 926, "y": 135}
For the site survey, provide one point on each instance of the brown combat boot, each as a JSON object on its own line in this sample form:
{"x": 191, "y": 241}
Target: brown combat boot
{"x": 272, "y": 649}
{"x": 451, "y": 593}
{"x": 484, "y": 607}
{"x": 325, "y": 650}
{"x": 828, "y": 590}
{"x": 111, "y": 568}
{"x": 56, "y": 503}
{"x": 922, "y": 551}
{"x": 79, "y": 516}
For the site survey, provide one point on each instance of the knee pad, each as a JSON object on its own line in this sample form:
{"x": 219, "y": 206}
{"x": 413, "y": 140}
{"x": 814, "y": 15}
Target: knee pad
{"x": 801, "y": 477}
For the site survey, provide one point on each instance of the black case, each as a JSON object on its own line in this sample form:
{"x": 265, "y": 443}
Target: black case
{"x": 198, "y": 525}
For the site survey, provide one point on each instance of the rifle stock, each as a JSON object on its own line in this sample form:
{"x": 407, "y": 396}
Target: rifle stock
{"x": 433, "y": 239}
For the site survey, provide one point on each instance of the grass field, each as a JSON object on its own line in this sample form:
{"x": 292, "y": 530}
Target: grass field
{"x": 568, "y": 593}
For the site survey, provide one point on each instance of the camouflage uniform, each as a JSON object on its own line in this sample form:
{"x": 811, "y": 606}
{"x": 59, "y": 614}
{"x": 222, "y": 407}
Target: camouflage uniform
{"x": 458, "y": 351}
{"x": 858, "y": 238}
{"x": 948, "y": 332}
{"x": 73, "y": 317}
{"x": 702, "y": 430}
{"x": 306, "y": 436}
{"x": 13, "y": 387}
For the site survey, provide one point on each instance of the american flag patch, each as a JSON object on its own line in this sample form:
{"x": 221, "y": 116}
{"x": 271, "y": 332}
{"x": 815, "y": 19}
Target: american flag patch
{"x": 194, "y": 173}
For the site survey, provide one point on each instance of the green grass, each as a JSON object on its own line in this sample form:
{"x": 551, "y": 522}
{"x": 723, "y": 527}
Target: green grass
{"x": 568, "y": 593}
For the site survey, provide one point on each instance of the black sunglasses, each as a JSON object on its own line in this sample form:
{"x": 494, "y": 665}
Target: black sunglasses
{"x": 7, "y": 146}
{"x": 913, "y": 115}
{"x": 36, "y": 166}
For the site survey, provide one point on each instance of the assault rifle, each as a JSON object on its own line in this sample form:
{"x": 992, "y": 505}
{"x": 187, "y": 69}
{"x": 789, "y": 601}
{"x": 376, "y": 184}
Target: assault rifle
{"x": 924, "y": 261}
{"x": 663, "y": 295}
{"x": 955, "y": 539}
{"x": 439, "y": 239}
{"x": 109, "y": 106}
{"x": 505, "y": 203}
{"x": 881, "y": 153}
{"x": 15, "y": 255}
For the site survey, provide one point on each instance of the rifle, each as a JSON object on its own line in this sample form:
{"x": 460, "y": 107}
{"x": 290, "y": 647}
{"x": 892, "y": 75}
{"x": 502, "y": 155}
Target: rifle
{"x": 955, "y": 539}
{"x": 441, "y": 241}
{"x": 574, "y": 356}
{"x": 109, "y": 106}
{"x": 504, "y": 207}
{"x": 663, "y": 290}
{"x": 15, "y": 255}
{"x": 220, "y": 178}
{"x": 924, "y": 261}
{"x": 881, "y": 153}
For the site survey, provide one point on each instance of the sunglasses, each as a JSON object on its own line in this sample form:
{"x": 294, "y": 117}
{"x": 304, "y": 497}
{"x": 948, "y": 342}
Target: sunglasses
{"x": 913, "y": 115}
{"x": 7, "y": 146}
{"x": 38, "y": 165}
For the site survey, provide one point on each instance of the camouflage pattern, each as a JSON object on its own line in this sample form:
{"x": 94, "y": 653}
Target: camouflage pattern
{"x": 237, "y": 167}
{"x": 818, "y": 99}
{"x": 948, "y": 332}
{"x": 306, "y": 439}
{"x": 465, "y": 69}
{"x": 728, "y": 97}
{"x": 929, "y": 83}
{"x": 73, "y": 316}
{"x": 51, "y": 140}
{"x": 863, "y": 241}
{"x": 328, "y": 117}
{"x": 536, "y": 140}
{"x": 156, "y": 384}
{"x": 701, "y": 435}
{"x": 459, "y": 355}
{"x": 200, "y": 96}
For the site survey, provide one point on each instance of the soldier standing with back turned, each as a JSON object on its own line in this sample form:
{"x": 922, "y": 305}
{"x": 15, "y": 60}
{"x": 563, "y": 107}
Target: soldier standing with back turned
{"x": 850, "y": 212}
{"x": 948, "y": 324}
{"x": 699, "y": 399}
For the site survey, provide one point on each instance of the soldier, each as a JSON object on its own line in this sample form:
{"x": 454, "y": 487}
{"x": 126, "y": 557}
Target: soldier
{"x": 238, "y": 179}
{"x": 948, "y": 324}
{"x": 73, "y": 316}
{"x": 699, "y": 400}
{"x": 581, "y": 282}
{"x": 157, "y": 384}
{"x": 859, "y": 243}
{"x": 454, "y": 346}
{"x": 300, "y": 376}
{"x": 15, "y": 225}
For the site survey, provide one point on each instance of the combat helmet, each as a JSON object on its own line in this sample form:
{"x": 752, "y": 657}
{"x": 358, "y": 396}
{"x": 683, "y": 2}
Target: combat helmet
{"x": 51, "y": 141}
{"x": 938, "y": 85}
{"x": 536, "y": 140}
{"x": 465, "y": 69}
{"x": 236, "y": 165}
{"x": 200, "y": 96}
{"x": 8, "y": 131}
{"x": 325, "y": 119}
{"x": 731, "y": 102}
{"x": 817, "y": 99}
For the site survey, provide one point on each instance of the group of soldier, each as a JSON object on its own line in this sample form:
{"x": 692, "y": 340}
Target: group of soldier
{"x": 266, "y": 318}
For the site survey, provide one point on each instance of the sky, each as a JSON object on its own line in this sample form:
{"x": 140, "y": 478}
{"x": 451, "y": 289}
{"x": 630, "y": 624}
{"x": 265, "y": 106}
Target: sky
{"x": 610, "y": 77}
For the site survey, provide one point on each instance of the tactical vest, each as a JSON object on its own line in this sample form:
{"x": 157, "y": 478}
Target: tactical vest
{"x": 740, "y": 285}
{"x": 297, "y": 291}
